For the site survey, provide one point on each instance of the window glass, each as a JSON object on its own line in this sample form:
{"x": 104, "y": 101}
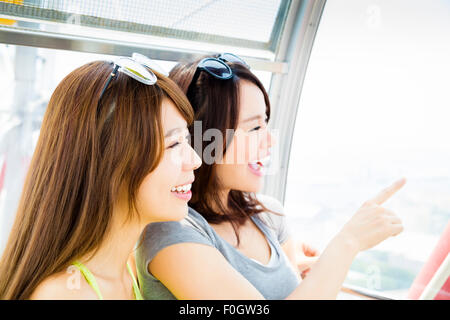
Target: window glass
{"x": 374, "y": 108}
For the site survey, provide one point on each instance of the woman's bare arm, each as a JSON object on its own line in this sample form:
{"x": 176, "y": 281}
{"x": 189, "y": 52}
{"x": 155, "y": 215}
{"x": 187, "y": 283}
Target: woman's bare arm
{"x": 197, "y": 271}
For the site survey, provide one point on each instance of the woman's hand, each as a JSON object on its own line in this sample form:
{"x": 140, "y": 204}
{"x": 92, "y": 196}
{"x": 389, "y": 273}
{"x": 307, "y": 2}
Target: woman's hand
{"x": 372, "y": 223}
{"x": 306, "y": 256}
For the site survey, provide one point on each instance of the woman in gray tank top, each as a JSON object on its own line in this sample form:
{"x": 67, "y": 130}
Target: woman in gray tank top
{"x": 235, "y": 244}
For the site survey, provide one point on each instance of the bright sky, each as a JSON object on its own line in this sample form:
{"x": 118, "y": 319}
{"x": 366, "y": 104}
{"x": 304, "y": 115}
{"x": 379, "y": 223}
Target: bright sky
{"x": 375, "y": 106}
{"x": 378, "y": 80}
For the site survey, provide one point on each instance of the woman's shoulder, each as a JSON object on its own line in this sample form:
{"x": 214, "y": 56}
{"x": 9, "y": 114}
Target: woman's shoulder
{"x": 195, "y": 219}
{"x": 65, "y": 285}
{"x": 193, "y": 222}
{"x": 158, "y": 235}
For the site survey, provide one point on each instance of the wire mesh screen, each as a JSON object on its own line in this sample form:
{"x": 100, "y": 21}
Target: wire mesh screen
{"x": 250, "y": 23}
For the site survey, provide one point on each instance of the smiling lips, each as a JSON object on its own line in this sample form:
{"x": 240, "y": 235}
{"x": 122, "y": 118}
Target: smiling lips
{"x": 182, "y": 192}
{"x": 258, "y": 167}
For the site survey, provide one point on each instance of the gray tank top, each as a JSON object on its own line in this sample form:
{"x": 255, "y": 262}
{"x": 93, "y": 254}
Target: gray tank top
{"x": 275, "y": 280}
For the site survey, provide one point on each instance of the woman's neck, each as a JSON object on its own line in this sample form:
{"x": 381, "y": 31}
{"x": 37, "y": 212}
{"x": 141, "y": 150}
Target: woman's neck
{"x": 110, "y": 260}
{"x": 223, "y": 198}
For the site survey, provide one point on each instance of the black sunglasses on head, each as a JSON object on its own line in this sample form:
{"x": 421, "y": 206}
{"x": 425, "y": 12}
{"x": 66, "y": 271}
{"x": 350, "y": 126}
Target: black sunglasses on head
{"x": 216, "y": 67}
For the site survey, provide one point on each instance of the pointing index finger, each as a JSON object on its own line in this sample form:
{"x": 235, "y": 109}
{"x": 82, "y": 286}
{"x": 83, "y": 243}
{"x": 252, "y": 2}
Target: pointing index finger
{"x": 389, "y": 191}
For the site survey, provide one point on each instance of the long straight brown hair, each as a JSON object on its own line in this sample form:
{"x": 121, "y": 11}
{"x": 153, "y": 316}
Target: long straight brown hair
{"x": 87, "y": 151}
{"x": 216, "y": 105}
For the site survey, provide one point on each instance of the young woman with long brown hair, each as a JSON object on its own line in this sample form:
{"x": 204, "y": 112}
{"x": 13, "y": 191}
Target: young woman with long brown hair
{"x": 112, "y": 156}
{"x": 233, "y": 244}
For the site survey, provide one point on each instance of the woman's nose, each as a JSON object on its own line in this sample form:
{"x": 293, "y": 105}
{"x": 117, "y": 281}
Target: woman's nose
{"x": 193, "y": 161}
{"x": 268, "y": 140}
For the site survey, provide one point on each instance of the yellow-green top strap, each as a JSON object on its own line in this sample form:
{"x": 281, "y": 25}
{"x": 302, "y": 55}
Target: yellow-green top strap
{"x": 89, "y": 278}
{"x": 137, "y": 292}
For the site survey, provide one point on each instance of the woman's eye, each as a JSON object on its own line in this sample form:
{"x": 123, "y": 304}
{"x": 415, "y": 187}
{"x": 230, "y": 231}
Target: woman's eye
{"x": 180, "y": 141}
{"x": 173, "y": 145}
{"x": 256, "y": 128}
